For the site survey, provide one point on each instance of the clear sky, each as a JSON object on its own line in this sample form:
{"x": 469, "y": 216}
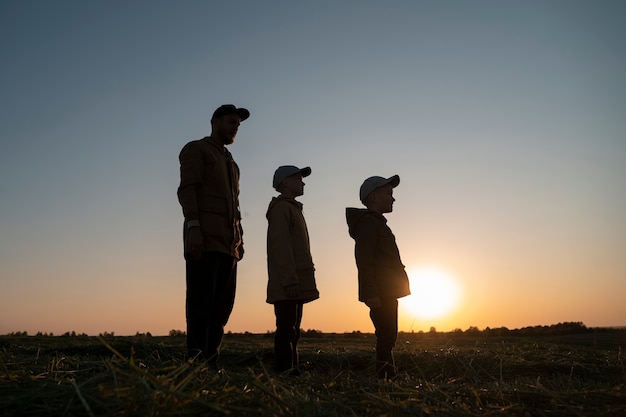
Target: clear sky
{"x": 506, "y": 121}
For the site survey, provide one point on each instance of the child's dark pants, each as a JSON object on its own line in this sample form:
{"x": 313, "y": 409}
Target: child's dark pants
{"x": 385, "y": 319}
{"x": 288, "y": 320}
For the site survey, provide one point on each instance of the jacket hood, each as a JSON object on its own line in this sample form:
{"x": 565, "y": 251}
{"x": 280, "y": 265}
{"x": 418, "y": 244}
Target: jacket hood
{"x": 354, "y": 216}
{"x": 280, "y": 199}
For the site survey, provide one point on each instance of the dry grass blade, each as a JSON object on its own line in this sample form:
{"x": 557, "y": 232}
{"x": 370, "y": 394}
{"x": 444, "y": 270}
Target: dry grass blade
{"x": 82, "y": 399}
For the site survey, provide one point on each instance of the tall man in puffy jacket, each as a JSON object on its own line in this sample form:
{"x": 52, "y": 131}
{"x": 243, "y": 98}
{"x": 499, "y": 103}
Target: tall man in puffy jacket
{"x": 209, "y": 196}
{"x": 382, "y": 278}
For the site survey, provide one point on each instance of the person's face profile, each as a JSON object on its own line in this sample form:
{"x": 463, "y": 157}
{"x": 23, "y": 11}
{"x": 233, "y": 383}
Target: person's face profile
{"x": 226, "y": 127}
{"x": 382, "y": 199}
{"x": 294, "y": 185}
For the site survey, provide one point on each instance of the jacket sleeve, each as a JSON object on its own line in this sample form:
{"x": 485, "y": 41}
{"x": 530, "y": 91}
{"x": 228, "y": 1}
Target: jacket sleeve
{"x": 192, "y": 171}
{"x": 366, "y": 240}
{"x": 281, "y": 257}
{"x": 190, "y": 178}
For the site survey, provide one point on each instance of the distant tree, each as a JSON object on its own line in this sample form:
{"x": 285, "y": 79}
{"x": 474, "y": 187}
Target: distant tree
{"x": 570, "y": 327}
{"x": 500, "y": 331}
{"x": 178, "y": 333}
{"x": 472, "y": 330}
{"x": 312, "y": 333}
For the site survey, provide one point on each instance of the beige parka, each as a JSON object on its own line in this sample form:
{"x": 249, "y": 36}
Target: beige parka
{"x": 289, "y": 260}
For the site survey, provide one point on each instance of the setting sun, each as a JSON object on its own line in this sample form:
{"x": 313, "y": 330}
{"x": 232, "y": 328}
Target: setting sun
{"x": 434, "y": 293}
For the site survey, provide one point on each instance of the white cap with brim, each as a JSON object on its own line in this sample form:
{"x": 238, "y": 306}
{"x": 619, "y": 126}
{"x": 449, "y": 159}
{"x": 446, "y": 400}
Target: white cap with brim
{"x": 375, "y": 182}
{"x": 285, "y": 171}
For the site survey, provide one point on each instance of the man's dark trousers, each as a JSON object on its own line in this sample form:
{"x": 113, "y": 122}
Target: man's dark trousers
{"x": 211, "y": 283}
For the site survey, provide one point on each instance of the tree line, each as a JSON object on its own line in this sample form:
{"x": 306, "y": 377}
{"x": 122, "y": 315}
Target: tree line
{"x": 539, "y": 330}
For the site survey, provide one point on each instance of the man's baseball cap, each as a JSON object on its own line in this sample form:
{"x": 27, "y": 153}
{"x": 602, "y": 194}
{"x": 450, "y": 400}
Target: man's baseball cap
{"x": 225, "y": 109}
{"x": 285, "y": 171}
{"x": 375, "y": 182}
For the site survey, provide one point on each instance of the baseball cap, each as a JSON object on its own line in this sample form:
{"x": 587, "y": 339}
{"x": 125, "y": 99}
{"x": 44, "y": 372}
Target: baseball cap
{"x": 375, "y": 182}
{"x": 225, "y": 109}
{"x": 285, "y": 171}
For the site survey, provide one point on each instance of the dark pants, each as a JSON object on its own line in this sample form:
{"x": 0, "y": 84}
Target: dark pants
{"x": 288, "y": 319}
{"x": 385, "y": 319}
{"x": 211, "y": 285}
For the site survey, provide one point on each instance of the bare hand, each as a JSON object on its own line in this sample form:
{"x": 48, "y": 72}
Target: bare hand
{"x": 195, "y": 242}
{"x": 373, "y": 302}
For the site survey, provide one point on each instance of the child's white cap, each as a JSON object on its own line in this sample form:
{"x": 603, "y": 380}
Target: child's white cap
{"x": 375, "y": 182}
{"x": 285, "y": 171}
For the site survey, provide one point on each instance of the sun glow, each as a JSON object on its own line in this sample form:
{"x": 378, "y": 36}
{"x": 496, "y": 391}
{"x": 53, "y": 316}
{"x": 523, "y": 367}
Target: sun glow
{"x": 434, "y": 293}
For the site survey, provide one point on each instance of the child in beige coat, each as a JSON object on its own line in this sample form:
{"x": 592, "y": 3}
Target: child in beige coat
{"x": 291, "y": 272}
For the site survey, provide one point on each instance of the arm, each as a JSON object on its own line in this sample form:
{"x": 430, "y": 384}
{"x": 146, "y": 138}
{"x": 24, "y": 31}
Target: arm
{"x": 191, "y": 176}
{"x": 191, "y": 170}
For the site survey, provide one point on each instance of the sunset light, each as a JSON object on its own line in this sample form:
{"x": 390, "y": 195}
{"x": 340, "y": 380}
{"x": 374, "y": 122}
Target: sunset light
{"x": 504, "y": 121}
{"x": 434, "y": 293}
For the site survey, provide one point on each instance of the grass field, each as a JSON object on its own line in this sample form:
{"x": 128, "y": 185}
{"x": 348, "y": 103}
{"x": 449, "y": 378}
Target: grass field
{"x": 441, "y": 374}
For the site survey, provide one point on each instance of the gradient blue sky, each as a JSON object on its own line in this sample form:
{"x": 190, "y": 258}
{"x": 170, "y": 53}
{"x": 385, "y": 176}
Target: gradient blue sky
{"x": 506, "y": 121}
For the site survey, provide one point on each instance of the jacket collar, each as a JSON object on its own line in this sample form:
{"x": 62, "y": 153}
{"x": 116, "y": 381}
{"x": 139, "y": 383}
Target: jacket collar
{"x": 289, "y": 200}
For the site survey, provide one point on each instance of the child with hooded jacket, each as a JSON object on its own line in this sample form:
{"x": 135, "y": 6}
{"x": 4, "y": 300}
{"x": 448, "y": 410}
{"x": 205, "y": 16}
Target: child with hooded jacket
{"x": 291, "y": 272}
{"x": 382, "y": 277}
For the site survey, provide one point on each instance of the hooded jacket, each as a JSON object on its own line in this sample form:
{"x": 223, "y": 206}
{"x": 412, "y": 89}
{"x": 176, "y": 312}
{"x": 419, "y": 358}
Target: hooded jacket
{"x": 289, "y": 260}
{"x": 209, "y": 194}
{"x": 381, "y": 272}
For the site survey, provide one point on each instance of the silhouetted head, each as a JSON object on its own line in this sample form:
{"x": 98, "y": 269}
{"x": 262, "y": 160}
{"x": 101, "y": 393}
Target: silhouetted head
{"x": 288, "y": 180}
{"x": 225, "y": 122}
{"x": 376, "y": 193}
